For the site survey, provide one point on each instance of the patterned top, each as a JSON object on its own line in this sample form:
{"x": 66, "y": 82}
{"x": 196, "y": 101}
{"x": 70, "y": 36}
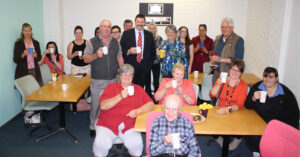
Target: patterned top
{"x": 161, "y": 127}
{"x": 175, "y": 52}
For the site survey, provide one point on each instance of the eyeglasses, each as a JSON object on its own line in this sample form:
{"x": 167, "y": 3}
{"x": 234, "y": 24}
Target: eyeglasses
{"x": 115, "y": 32}
{"x": 105, "y": 26}
{"x": 268, "y": 76}
{"x": 171, "y": 109}
{"x": 235, "y": 70}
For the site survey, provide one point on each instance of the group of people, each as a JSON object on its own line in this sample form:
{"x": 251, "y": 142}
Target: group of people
{"x": 120, "y": 66}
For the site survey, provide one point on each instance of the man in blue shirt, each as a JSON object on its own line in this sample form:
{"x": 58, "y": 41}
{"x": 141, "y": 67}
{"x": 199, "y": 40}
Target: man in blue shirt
{"x": 162, "y": 141}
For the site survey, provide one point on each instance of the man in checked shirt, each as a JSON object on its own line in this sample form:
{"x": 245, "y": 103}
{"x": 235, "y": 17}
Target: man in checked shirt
{"x": 162, "y": 141}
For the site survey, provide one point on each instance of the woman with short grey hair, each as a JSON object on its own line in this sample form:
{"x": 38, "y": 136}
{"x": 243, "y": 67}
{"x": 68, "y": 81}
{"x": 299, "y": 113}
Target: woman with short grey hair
{"x": 172, "y": 51}
{"x": 126, "y": 68}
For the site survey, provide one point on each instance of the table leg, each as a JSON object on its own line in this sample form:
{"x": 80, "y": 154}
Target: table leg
{"x": 225, "y": 145}
{"x": 62, "y": 120}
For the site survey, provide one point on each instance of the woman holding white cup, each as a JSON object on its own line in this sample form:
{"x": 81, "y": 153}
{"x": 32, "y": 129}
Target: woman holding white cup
{"x": 53, "y": 59}
{"x": 177, "y": 85}
{"x": 279, "y": 103}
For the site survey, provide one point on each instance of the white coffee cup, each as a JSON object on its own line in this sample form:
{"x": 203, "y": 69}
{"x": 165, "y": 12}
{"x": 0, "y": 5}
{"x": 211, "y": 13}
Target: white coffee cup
{"x": 138, "y": 49}
{"x": 53, "y": 78}
{"x": 263, "y": 96}
{"x": 174, "y": 83}
{"x": 224, "y": 76}
{"x": 64, "y": 87}
{"x": 104, "y": 50}
{"x": 51, "y": 50}
{"x": 176, "y": 140}
{"x": 196, "y": 74}
{"x": 130, "y": 90}
{"x": 79, "y": 53}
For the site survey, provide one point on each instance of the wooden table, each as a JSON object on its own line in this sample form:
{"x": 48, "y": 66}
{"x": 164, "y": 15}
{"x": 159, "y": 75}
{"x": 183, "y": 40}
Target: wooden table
{"x": 53, "y": 91}
{"x": 243, "y": 122}
{"x": 249, "y": 78}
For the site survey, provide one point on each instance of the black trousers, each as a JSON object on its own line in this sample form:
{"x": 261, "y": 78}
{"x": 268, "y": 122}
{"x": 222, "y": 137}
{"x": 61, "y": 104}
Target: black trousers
{"x": 139, "y": 74}
{"x": 253, "y": 142}
{"x": 156, "y": 72}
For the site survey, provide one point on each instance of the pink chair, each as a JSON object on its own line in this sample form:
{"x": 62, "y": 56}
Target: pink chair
{"x": 152, "y": 116}
{"x": 280, "y": 139}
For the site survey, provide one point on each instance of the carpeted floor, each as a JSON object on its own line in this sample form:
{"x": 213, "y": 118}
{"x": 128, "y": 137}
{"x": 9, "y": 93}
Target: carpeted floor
{"x": 15, "y": 142}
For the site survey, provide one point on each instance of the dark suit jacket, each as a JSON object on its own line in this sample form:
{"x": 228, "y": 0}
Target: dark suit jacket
{"x": 21, "y": 69}
{"x": 128, "y": 41}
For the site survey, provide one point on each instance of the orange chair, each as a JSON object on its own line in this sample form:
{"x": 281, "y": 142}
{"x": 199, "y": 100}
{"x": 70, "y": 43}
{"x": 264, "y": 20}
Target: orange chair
{"x": 280, "y": 139}
{"x": 151, "y": 117}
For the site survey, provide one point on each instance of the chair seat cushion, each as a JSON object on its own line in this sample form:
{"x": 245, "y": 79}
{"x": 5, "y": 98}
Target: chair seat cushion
{"x": 40, "y": 105}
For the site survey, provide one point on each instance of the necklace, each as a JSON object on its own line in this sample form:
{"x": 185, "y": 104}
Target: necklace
{"x": 227, "y": 93}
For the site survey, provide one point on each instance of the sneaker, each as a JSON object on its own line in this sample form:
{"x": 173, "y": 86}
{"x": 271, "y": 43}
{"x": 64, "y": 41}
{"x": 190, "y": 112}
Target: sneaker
{"x": 235, "y": 143}
{"x": 256, "y": 154}
{"x": 219, "y": 140}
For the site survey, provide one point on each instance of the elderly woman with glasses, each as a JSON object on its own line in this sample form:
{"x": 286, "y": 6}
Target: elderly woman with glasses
{"x": 178, "y": 86}
{"x": 120, "y": 104}
{"x": 173, "y": 51}
{"x": 280, "y": 103}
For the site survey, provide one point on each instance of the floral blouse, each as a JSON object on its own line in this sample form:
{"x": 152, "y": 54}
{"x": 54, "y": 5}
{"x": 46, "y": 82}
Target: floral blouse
{"x": 174, "y": 52}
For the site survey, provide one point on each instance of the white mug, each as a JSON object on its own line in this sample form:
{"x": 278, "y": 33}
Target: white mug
{"x": 51, "y": 50}
{"x": 53, "y": 78}
{"x": 79, "y": 53}
{"x": 263, "y": 96}
{"x": 224, "y": 76}
{"x": 64, "y": 87}
{"x": 104, "y": 50}
{"x": 130, "y": 90}
{"x": 138, "y": 49}
{"x": 174, "y": 83}
{"x": 176, "y": 140}
{"x": 196, "y": 74}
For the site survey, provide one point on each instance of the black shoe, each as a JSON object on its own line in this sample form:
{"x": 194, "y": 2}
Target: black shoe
{"x": 92, "y": 133}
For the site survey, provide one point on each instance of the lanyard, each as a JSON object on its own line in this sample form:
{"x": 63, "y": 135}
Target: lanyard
{"x": 227, "y": 93}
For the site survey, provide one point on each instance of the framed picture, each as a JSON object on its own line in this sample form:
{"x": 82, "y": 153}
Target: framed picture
{"x": 155, "y": 9}
{"x": 158, "y": 20}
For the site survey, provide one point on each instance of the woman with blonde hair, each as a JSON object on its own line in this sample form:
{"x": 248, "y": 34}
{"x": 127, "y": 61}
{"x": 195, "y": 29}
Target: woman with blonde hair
{"x": 156, "y": 64}
{"x": 27, "y": 54}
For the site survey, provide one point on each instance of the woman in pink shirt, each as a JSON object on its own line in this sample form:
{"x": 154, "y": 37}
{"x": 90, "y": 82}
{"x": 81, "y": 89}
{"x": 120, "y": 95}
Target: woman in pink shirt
{"x": 53, "y": 59}
{"x": 178, "y": 86}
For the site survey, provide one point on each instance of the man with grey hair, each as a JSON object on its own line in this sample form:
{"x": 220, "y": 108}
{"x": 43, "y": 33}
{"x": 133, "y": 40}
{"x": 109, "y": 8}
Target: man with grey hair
{"x": 121, "y": 103}
{"x": 162, "y": 141}
{"x": 105, "y": 55}
{"x": 228, "y": 47}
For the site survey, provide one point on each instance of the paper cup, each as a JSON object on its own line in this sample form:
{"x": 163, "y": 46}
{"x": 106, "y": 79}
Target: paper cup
{"x": 64, "y": 87}
{"x": 130, "y": 90}
{"x": 174, "y": 83}
{"x": 79, "y": 53}
{"x": 176, "y": 140}
{"x": 263, "y": 96}
{"x": 196, "y": 74}
{"x": 224, "y": 76}
{"x": 104, "y": 50}
{"x": 138, "y": 49}
{"x": 51, "y": 50}
{"x": 30, "y": 50}
{"x": 53, "y": 78}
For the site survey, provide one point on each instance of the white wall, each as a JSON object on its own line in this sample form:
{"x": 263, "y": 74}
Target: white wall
{"x": 291, "y": 62}
{"x": 89, "y": 13}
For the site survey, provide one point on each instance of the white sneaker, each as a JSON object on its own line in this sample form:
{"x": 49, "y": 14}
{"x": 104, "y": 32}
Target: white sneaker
{"x": 256, "y": 154}
{"x": 235, "y": 143}
{"x": 219, "y": 140}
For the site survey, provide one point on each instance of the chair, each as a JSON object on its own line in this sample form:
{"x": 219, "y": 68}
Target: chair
{"x": 46, "y": 73}
{"x": 206, "y": 67}
{"x": 206, "y": 87}
{"x": 196, "y": 89}
{"x": 151, "y": 117}
{"x": 26, "y": 86}
{"x": 280, "y": 139}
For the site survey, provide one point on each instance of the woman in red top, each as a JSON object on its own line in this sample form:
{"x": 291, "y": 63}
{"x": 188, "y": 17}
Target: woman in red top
{"x": 232, "y": 96}
{"x": 53, "y": 59}
{"x": 202, "y": 45}
{"x": 234, "y": 92}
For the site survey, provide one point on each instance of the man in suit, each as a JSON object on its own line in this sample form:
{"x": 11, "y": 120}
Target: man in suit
{"x": 138, "y": 49}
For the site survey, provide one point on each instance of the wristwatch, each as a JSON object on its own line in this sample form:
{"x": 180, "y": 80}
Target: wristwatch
{"x": 229, "y": 109}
